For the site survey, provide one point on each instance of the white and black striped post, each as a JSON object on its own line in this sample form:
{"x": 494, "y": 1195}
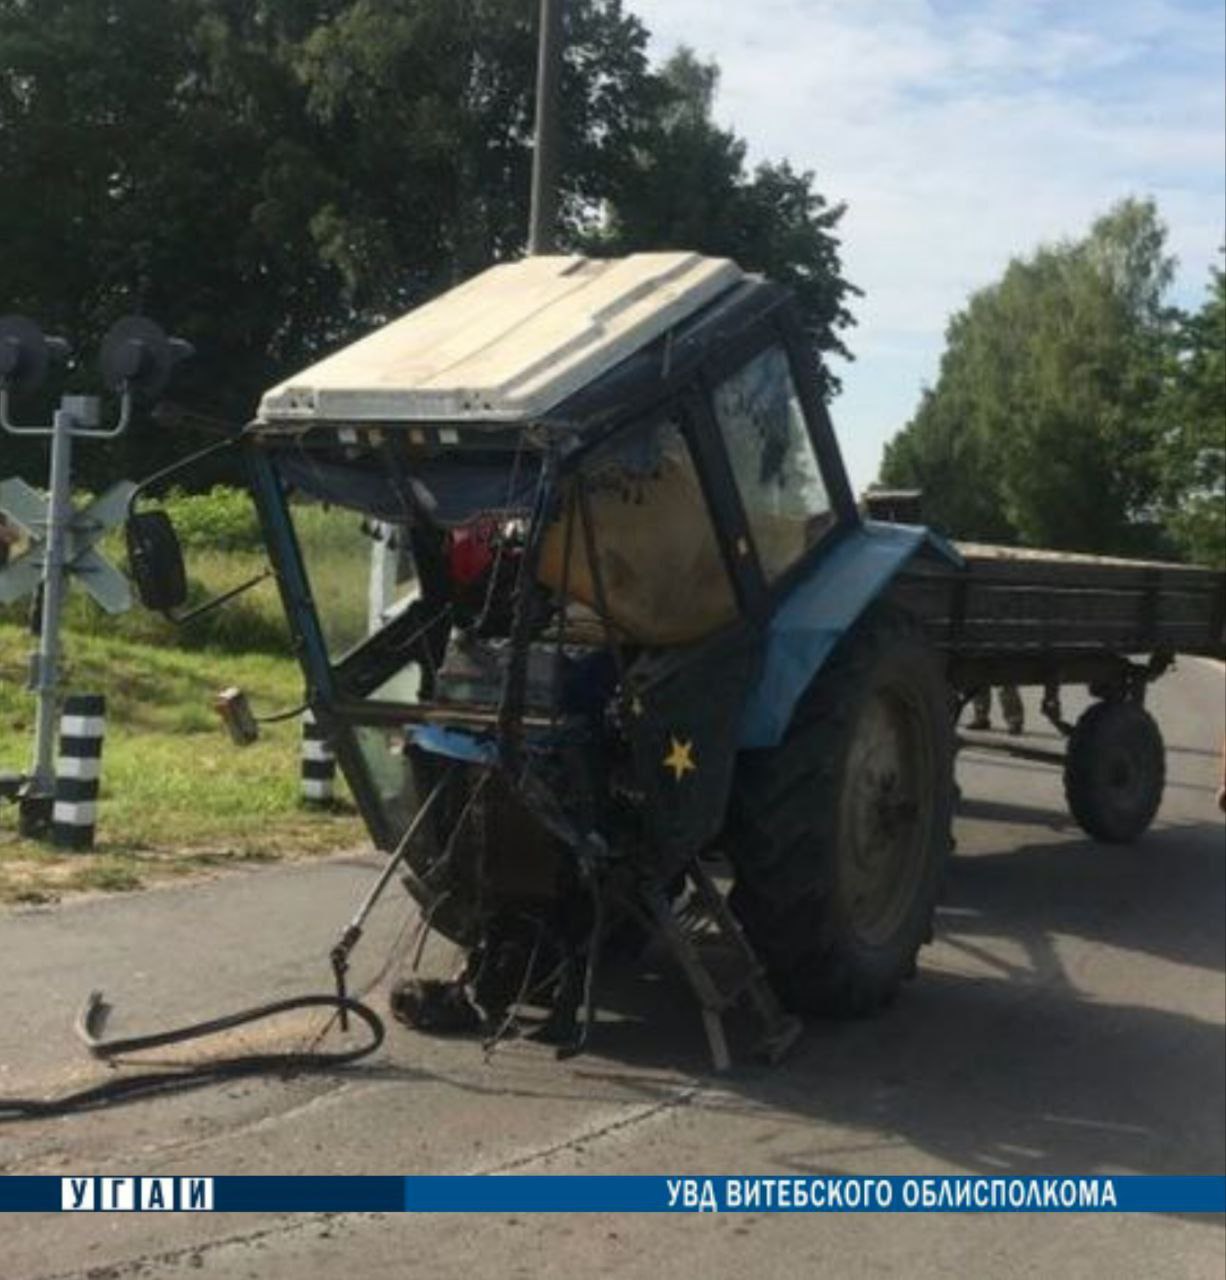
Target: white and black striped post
{"x": 318, "y": 763}
{"x": 78, "y": 771}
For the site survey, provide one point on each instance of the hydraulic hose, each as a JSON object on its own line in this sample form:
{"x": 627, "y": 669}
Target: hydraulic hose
{"x": 93, "y": 1016}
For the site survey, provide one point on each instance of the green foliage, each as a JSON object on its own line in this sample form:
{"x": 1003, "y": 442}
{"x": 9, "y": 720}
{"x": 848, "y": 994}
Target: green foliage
{"x": 687, "y": 187}
{"x": 1194, "y": 456}
{"x": 951, "y": 463}
{"x": 1050, "y": 419}
{"x": 270, "y": 179}
{"x": 223, "y": 519}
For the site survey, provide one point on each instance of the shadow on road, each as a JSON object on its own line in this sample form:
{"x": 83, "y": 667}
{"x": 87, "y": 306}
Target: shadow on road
{"x": 1162, "y": 896}
{"x": 1002, "y": 760}
{"x": 1007, "y": 811}
{"x": 1013, "y": 1069}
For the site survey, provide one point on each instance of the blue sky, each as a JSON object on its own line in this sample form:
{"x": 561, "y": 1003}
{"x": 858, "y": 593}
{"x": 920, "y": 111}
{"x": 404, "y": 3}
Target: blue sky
{"x": 961, "y": 134}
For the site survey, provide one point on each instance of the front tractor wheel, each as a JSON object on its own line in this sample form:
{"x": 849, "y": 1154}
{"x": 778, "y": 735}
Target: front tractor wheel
{"x": 1115, "y": 771}
{"x": 840, "y": 835}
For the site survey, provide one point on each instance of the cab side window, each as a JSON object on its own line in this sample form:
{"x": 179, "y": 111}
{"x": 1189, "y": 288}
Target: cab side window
{"x": 772, "y": 456}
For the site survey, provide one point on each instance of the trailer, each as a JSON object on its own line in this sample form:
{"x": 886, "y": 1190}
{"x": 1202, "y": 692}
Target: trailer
{"x": 651, "y": 635}
{"x": 1020, "y": 617}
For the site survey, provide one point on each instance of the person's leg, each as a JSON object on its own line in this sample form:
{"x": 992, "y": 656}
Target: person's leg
{"x": 1052, "y": 707}
{"x": 1012, "y": 709}
{"x": 1221, "y": 794}
{"x": 981, "y": 706}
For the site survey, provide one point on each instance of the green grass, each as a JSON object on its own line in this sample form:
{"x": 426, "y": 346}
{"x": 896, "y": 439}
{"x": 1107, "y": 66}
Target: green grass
{"x": 177, "y": 797}
{"x": 221, "y": 549}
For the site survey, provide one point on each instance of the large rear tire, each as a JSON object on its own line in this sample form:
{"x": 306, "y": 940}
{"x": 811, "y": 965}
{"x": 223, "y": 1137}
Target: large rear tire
{"x": 1115, "y": 771}
{"x": 839, "y": 836}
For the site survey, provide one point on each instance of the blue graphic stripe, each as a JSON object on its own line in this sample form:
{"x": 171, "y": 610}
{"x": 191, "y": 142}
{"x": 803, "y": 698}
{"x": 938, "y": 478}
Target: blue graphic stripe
{"x": 638, "y": 1194}
{"x": 652, "y": 1194}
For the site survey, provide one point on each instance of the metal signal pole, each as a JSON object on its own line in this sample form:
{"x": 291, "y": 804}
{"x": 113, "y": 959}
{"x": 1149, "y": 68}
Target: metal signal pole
{"x": 137, "y": 358}
{"x": 543, "y": 218}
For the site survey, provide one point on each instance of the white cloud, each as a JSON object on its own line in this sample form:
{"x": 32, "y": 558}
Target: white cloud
{"x": 961, "y": 134}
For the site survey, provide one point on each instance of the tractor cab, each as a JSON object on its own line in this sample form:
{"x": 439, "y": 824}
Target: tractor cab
{"x": 601, "y": 473}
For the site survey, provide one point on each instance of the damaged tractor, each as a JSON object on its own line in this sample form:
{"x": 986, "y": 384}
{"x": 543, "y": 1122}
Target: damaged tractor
{"x": 647, "y": 634}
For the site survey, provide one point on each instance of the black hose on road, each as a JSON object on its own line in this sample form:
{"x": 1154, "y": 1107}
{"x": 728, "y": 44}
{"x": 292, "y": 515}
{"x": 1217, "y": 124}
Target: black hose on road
{"x": 126, "y": 1088}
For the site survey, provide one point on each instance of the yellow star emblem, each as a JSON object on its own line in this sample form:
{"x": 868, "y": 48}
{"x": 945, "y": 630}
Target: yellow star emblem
{"x": 680, "y": 758}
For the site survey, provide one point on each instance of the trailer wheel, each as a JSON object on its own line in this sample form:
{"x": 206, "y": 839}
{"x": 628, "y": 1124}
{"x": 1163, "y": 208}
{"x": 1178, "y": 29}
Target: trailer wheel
{"x": 840, "y": 835}
{"x": 1114, "y": 771}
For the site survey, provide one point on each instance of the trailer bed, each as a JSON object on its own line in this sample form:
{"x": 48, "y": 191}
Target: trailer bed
{"x": 1025, "y": 616}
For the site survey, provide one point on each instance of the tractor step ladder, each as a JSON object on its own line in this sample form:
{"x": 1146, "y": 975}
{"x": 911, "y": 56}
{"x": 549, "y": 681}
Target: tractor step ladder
{"x": 704, "y": 921}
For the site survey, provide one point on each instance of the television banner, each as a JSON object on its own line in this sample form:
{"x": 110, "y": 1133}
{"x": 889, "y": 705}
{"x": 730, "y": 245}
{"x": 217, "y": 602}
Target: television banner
{"x": 680, "y": 1193}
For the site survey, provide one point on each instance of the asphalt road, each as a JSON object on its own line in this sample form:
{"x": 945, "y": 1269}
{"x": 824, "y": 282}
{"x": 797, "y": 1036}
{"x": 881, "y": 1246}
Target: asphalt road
{"x": 1070, "y": 1018}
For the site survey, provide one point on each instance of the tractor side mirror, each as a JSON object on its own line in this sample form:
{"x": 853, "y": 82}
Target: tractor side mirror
{"x": 155, "y": 555}
{"x": 155, "y": 559}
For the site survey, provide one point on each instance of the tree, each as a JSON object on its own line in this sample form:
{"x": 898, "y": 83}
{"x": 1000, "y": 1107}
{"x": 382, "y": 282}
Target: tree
{"x": 158, "y": 159}
{"x": 1194, "y": 457}
{"x": 950, "y": 466}
{"x": 1047, "y": 418}
{"x": 687, "y": 186}
{"x": 270, "y": 178}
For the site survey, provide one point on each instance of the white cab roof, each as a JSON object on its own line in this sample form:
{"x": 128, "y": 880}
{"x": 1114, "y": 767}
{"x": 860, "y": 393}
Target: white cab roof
{"x": 508, "y": 345}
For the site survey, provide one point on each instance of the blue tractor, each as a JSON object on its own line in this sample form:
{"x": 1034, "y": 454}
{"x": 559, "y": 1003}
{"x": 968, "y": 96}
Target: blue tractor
{"x": 648, "y": 646}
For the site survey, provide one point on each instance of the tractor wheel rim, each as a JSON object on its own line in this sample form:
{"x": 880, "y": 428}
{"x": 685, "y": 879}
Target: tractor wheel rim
{"x": 886, "y": 814}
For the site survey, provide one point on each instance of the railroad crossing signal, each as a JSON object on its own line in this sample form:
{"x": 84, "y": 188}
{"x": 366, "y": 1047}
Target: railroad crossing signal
{"x": 30, "y": 512}
{"x": 137, "y": 358}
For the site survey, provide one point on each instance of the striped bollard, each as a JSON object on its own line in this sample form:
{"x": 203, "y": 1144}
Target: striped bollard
{"x": 318, "y": 762}
{"x": 78, "y": 771}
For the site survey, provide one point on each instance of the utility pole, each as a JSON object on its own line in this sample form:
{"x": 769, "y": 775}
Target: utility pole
{"x": 543, "y": 218}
